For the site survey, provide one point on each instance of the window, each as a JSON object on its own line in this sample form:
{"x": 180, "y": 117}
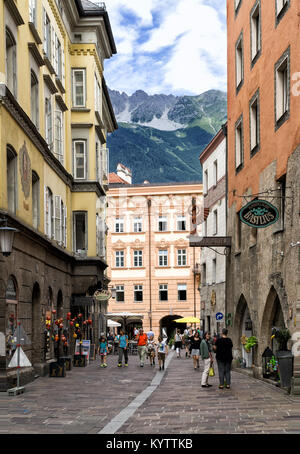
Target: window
{"x": 181, "y": 257}
{"x": 281, "y": 8}
{"x": 215, "y": 173}
{"x": 48, "y": 212}
{"x": 163, "y": 292}
{"x": 58, "y": 58}
{"x": 119, "y": 259}
{"x": 100, "y": 235}
{"x": 119, "y": 225}
{"x": 11, "y": 63}
{"x": 47, "y": 36}
{"x": 181, "y": 288}
{"x": 239, "y": 144}
{"x": 34, "y": 99}
{"x": 215, "y": 222}
{"x": 138, "y": 258}
{"x": 238, "y": 234}
{"x": 79, "y": 159}
{"x": 64, "y": 225}
{"x": 237, "y": 4}
{"x": 138, "y": 293}
{"x": 58, "y": 219}
{"x": 59, "y": 135}
{"x": 35, "y": 200}
{"x": 181, "y": 223}
{"x": 137, "y": 225}
{"x": 255, "y": 32}
{"x": 32, "y": 11}
{"x": 205, "y": 182}
{"x": 163, "y": 257}
{"x": 162, "y": 224}
{"x": 203, "y": 277}
{"x": 254, "y": 124}
{"x": 239, "y": 63}
{"x": 282, "y": 88}
{"x": 48, "y": 122}
{"x": 97, "y": 95}
{"x": 214, "y": 271}
{"x": 282, "y": 195}
{"x": 79, "y": 87}
{"x": 80, "y": 232}
{"x": 11, "y": 162}
{"x": 120, "y": 294}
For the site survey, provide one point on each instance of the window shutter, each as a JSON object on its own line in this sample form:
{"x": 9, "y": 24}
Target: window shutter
{"x": 45, "y": 210}
{"x": 63, "y": 65}
{"x": 65, "y": 227}
{"x": 45, "y": 30}
{"x": 53, "y": 48}
{"x": 57, "y": 218}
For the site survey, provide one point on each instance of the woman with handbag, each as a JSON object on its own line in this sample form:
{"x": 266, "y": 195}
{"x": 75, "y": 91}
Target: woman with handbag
{"x": 223, "y": 349}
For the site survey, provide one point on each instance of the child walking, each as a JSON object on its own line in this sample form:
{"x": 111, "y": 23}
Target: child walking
{"x": 103, "y": 350}
{"x": 162, "y": 351}
{"x": 151, "y": 350}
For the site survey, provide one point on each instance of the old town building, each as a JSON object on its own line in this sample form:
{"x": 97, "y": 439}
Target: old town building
{"x": 152, "y": 267}
{"x": 263, "y": 269}
{"x": 213, "y": 258}
{"x": 55, "y": 113}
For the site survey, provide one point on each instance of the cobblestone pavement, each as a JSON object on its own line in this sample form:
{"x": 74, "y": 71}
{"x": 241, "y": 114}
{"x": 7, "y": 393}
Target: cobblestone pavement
{"x": 87, "y": 399}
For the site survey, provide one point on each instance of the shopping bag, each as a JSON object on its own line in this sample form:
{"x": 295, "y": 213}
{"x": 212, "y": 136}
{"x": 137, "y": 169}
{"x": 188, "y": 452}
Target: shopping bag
{"x": 211, "y": 372}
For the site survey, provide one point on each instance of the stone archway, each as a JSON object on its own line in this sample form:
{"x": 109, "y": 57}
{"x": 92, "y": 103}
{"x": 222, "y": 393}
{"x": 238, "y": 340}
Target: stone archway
{"x": 272, "y": 317}
{"x": 37, "y": 344}
{"x": 169, "y": 326}
{"x": 243, "y": 326}
{"x": 60, "y": 305}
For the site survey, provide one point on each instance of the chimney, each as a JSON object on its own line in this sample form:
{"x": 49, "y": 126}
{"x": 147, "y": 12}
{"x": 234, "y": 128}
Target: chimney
{"x": 124, "y": 173}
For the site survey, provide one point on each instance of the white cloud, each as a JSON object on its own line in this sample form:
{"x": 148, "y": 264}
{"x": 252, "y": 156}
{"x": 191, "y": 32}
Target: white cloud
{"x": 195, "y": 29}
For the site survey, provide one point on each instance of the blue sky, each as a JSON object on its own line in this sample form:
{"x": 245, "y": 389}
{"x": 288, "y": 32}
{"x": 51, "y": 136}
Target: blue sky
{"x": 167, "y": 46}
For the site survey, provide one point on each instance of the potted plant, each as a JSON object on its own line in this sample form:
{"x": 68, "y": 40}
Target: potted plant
{"x": 284, "y": 356}
{"x": 250, "y": 343}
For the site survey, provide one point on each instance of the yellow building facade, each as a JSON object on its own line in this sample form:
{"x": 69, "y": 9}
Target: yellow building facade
{"x": 55, "y": 114}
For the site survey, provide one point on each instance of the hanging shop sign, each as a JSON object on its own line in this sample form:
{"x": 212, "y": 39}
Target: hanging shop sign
{"x": 259, "y": 214}
{"x": 102, "y": 295}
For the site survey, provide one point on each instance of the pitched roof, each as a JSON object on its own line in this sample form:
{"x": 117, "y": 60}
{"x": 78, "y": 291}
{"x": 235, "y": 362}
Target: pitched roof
{"x": 114, "y": 178}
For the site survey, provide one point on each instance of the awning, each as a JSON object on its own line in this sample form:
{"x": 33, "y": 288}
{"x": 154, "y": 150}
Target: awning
{"x": 124, "y": 317}
{"x": 112, "y": 324}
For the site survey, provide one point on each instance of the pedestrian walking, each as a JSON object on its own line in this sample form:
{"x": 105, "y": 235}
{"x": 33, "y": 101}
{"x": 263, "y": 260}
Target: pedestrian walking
{"x": 178, "y": 343}
{"x": 135, "y": 332}
{"x": 223, "y": 348}
{"x": 206, "y": 354}
{"x": 103, "y": 350}
{"x": 162, "y": 352}
{"x": 187, "y": 342}
{"x": 123, "y": 348}
{"x": 195, "y": 345}
{"x": 142, "y": 339}
{"x": 151, "y": 350}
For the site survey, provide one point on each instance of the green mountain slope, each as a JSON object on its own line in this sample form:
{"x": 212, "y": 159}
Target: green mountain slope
{"x": 158, "y": 156}
{"x": 149, "y": 142}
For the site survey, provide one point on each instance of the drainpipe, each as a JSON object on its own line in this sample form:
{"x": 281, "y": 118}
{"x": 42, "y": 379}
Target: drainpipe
{"x": 150, "y": 271}
{"x": 225, "y": 130}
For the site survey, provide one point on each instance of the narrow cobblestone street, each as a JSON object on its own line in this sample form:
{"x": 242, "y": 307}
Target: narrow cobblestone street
{"x": 88, "y": 399}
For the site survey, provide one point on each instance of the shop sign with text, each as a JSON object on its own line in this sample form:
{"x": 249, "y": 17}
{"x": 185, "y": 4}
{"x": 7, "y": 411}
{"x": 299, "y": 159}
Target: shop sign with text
{"x": 259, "y": 214}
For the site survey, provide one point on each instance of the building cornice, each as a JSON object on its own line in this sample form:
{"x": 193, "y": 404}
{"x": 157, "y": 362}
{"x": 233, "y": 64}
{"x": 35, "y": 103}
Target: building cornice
{"x": 211, "y": 147}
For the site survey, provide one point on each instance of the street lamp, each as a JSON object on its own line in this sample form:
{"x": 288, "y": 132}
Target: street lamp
{"x": 6, "y": 238}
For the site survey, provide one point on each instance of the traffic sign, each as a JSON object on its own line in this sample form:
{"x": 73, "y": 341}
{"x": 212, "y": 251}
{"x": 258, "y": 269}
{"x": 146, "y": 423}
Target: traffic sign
{"x": 219, "y": 316}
